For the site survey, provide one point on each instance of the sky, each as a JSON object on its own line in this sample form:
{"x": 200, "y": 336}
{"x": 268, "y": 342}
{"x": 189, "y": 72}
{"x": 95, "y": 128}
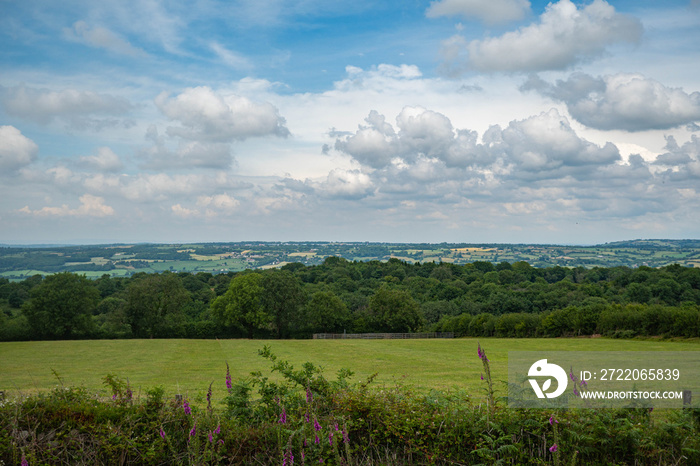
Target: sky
{"x": 469, "y": 121}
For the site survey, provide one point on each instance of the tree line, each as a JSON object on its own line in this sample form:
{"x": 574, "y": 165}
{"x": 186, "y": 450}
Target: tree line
{"x": 295, "y": 301}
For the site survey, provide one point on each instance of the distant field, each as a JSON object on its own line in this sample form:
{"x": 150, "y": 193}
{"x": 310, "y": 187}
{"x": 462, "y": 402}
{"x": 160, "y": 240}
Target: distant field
{"x": 188, "y": 366}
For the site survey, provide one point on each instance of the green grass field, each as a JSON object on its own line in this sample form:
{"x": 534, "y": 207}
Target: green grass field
{"x": 188, "y": 366}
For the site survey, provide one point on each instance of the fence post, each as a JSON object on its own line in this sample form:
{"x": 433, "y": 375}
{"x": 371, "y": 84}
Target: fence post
{"x": 687, "y": 398}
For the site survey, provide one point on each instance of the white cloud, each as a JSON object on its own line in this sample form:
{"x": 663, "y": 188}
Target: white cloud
{"x": 105, "y": 161}
{"x": 101, "y": 37}
{"x": 629, "y": 102}
{"x": 564, "y": 37}
{"x": 491, "y": 12}
{"x": 347, "y": 184}
{"x": 183, "y": 212}
{"x": 547, "y": 142}
{"x": 16, "y": 150}
{"x": 422, "y": 134}
{"x": 206, "y": 115}
{"x": 189, "y": 154}
{"x": 90, "y": 206}
{"x": 218, "y": 204}
{"x": 43, "y": 105}
{"x": 428, "y": 157}
{"x": 682, "y": 163}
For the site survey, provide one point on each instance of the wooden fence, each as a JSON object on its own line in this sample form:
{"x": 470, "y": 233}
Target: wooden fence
{"x": 381, "y": 336}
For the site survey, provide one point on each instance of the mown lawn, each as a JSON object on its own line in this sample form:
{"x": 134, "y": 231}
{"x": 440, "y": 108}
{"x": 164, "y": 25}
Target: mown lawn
{"x": 189, "y": 366}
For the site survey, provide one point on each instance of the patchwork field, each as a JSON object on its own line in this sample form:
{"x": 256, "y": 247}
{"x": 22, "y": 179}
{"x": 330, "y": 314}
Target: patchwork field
{"x": 188, "y": 366}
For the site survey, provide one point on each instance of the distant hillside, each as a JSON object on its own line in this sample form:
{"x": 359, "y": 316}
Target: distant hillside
{"x": 17, "y": 262}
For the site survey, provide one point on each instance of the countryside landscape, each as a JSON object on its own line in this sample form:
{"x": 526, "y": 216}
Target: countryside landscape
{"x": 18, "y": 262}
{"x": 159, "y": 346}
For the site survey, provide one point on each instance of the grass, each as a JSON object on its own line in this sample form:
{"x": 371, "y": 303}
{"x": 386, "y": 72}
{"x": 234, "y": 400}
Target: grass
{"x": 188, "y": 366}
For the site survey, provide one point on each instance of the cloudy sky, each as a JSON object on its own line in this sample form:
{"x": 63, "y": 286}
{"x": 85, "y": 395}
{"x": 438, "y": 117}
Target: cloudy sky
{"x": 406, "y": 121}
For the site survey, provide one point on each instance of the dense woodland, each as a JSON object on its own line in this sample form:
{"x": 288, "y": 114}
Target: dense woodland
{"x": 295, "y": 301}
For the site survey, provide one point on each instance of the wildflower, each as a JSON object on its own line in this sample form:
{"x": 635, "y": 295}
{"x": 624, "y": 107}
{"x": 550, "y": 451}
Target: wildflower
{"x": 336, "y": 427}
{"x": 114, "y": 397}
{"x": 193, "y": 431}
{"x": 288, "y": 458}
{"x": 482, "y": 376}
{"x": 553, "y": 448}
{"x": 24, "y": 461}
{"x": 346, "y": 438}
{"x": 186, "y": 407}
{"x": 162, "y": 433}
{"x": 283, "y": 417}
{"x": 330, "y": 438}
{"x": 552, "y": 420}
{"x": 229, "y": 385}
{"x": 317, "y": 426}
{"x": 309, "y": 395}
{"x": 211, "y": 438}
{"x": 306, "y": 417}
{"x": 209, "y": 397}
{"x": 576, "y": 392}
{"x": 217, "y": 431}
{"x": 318, "y": 440}
{"x": 221, "y": 441}
{"x": 481, "y": 353}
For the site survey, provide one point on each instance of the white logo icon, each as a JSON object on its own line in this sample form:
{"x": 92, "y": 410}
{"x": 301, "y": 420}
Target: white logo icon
{"x": 543, "y": 369}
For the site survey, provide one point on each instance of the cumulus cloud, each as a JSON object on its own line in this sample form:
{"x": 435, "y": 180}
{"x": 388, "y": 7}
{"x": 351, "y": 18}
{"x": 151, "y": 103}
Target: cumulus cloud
{"x": 681, "y": 162}
{"x": 427, "y": 149}
{"x": 490, "y": 12}
{"x": 16, "y": 150}
{"x": 222, "y": 203}
{"x": 183, "y": 212}
{"x": 188, "y": 154}
{"x": 90, "y": 206}
{"x": 78, "y": 107}
{"x": 206, "y": 115}
{"x": 629, "y": 102}
{"x": 104, "y": 161}
{"x": 547, "y": 142}
{"x": 347, "y": 184}
{"x": 564, "y": 36}
{"x": 208, "y": 206}
{"x": 421, "y": 133}
{"x": 101, "y": 37}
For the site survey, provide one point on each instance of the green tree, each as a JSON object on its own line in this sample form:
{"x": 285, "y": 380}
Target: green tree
{"x": 154, "y": 305}
{"x": 61, "y": 306}
{"x": 241, "y": 307}
{"x": 326, "y": 312}
{"x": 395, "y": 311}
{"x": 282, "y": 299}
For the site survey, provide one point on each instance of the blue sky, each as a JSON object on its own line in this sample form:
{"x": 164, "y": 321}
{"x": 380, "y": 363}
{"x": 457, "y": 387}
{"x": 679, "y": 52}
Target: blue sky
{"x": 418, "y": 121}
